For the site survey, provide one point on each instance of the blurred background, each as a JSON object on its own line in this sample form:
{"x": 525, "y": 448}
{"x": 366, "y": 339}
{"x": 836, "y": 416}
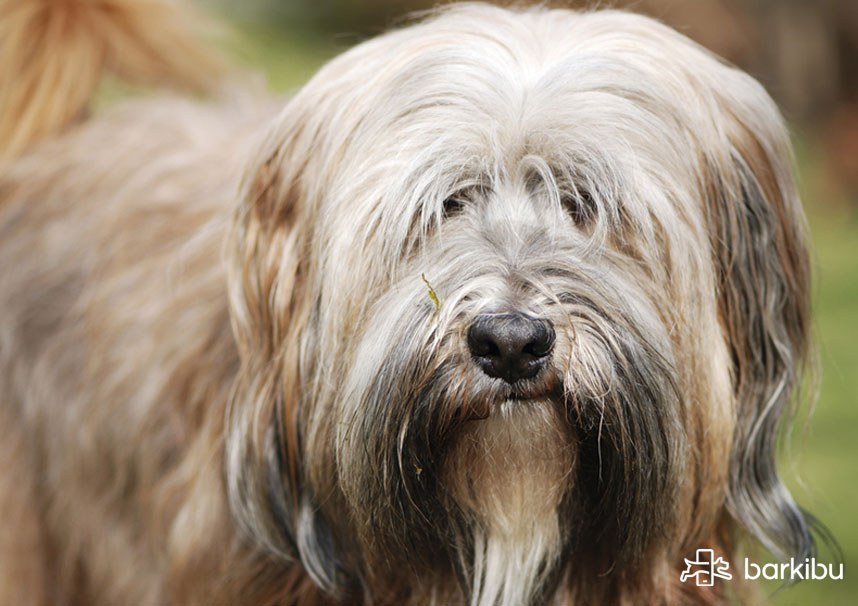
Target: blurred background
{"x": 805, "y": 52}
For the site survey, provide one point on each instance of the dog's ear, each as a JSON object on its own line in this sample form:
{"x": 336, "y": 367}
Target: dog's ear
{"x": 757, "y": 232}
{"x": 271, "y": 304}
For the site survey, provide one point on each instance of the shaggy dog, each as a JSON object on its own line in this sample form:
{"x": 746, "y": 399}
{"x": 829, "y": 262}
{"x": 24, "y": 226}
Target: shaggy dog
{"x": 503, "y": 308}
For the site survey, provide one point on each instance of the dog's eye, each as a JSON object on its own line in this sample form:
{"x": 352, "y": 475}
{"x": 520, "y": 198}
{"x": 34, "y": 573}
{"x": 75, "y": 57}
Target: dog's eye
{"x": 452, "y": 206}
{"x": 580, "y": 206}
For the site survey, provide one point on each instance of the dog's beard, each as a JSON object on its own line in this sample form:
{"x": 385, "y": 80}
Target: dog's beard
{"x": 499, "y": 484}
{"x": 507, "y": 476}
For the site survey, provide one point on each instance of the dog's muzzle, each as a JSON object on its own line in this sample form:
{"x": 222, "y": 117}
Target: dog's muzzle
{"x": 510, "y": 346}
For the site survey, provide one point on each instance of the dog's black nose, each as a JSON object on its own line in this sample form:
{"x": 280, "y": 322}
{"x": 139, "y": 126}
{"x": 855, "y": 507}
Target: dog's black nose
{"x": 510, "y": 346}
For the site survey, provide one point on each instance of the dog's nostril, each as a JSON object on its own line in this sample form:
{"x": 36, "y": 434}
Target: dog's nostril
{"x": 483, "y": 345}
{"x": 510, "y": 346}
{"x": 541, "y": 342}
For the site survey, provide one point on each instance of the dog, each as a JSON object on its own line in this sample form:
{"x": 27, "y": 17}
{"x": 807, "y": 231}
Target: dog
{"x": 503, "y": 308}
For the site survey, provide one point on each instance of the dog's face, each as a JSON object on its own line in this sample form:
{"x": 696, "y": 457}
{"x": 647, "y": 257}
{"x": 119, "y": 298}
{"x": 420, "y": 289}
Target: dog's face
{"x": 515, "y": 291}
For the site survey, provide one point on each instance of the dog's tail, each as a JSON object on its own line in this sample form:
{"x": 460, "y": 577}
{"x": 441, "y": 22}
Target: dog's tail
{"x": 53, "y": 52}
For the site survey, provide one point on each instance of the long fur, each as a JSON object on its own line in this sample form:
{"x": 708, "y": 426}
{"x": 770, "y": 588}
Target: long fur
{"x": 53, "y": 53}
{"x": 225, "y": 380}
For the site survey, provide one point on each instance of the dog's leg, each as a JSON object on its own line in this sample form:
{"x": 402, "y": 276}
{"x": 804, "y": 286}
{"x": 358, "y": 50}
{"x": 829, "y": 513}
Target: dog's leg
{"x": 22, "y": 555}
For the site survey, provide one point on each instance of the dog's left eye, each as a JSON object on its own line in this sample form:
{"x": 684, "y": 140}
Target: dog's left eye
{"x": 580, "y": 206}
{"x": 452, "y": 206}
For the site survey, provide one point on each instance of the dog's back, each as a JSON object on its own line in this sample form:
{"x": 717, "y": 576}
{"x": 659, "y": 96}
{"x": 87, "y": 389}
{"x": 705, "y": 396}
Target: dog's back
{"x": 112, "y": 231}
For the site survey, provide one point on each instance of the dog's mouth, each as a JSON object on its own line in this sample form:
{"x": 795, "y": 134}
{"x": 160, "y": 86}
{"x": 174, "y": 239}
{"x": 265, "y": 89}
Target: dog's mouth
{"x": 531, "y": 391}
{"x": 474, "y": 400}
{"x": 545, "y": 386}
{"x": 516, "y": 397}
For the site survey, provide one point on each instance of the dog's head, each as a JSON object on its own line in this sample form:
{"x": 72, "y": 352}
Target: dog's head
{"x": 514, "y": 290}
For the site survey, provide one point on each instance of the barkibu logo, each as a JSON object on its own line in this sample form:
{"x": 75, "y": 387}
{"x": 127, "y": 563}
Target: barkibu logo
{"x": 705, "y": 568}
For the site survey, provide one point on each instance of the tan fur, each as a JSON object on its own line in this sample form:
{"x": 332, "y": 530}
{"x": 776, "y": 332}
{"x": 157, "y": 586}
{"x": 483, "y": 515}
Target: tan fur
{"x": 53, "y": 53}
{"x": 510, "y": 473}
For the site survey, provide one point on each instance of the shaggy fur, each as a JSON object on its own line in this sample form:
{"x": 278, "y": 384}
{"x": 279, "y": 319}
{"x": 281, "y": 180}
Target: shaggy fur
{"x": 234, "y": 359}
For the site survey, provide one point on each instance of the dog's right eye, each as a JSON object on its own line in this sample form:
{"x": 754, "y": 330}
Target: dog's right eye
{"x": 580, "y": 206}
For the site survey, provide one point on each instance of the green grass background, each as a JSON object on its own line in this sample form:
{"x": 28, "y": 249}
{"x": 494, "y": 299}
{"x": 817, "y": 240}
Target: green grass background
{"x": 823, "y": 456}
{"x": 821, "y": 467}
